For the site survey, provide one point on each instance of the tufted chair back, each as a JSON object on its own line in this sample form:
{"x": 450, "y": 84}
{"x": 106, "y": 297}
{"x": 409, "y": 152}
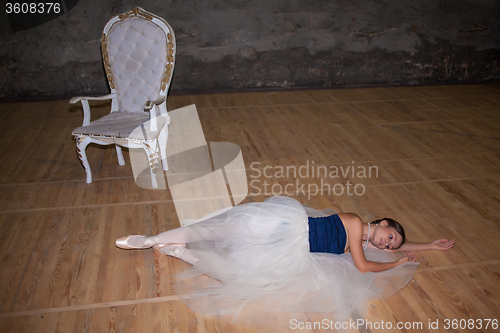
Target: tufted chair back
{"x": 138, "y": 50}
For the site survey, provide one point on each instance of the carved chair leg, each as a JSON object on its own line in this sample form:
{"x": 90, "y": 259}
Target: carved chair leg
{"x": 119, "y": 154}
{"x": 81, "y": 144}
{"x": 152, "y": 151}
{"x": 163, "y": 137}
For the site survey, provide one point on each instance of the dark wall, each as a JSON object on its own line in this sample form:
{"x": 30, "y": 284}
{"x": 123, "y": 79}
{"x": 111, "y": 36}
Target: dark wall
{"x": 237, "y": 44}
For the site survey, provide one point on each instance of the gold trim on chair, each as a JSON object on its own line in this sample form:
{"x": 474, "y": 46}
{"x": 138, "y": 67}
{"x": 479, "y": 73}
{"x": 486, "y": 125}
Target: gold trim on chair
{"x": 79, "y": 141}
{"x": 105, "y": 60}
{"x": 168, "y": 67}
{"x": 136, "y": 11}
{"x": 154, "y": 157}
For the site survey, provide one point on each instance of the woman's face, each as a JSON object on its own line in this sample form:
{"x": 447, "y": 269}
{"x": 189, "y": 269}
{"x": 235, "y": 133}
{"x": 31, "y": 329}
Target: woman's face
{"x": 386, "y": 237}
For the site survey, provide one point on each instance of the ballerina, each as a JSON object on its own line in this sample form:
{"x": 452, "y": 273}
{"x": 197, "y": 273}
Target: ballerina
{"x": 292, "y": 256}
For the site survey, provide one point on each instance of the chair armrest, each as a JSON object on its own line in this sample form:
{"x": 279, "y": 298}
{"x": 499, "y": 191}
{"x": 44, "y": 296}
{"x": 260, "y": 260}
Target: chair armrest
{"x": 85, "y": 104}
{"x": 92, "y": 98}
{"x": 149, "y": 106}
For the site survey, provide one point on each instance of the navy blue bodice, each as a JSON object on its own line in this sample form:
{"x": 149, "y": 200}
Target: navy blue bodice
{"x": 327, "y": 234}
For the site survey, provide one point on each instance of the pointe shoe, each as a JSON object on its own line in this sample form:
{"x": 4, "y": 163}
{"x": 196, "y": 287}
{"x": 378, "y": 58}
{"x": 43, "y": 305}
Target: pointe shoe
{"x": 124, "y": 243}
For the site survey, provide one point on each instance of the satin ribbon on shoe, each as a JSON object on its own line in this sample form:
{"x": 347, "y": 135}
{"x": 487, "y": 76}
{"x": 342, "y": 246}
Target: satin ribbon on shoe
{"x": 174, "y": 250}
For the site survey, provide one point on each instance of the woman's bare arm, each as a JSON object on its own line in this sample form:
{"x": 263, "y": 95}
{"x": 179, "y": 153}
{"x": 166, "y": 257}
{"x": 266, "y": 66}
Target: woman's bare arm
{"x": 438, "y": 244}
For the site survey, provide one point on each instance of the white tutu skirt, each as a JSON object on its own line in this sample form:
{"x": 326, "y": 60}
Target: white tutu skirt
{"x": 258, "y": 253}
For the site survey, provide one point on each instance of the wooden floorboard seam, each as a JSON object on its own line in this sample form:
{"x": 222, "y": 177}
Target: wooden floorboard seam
{"x": 350, "y": 102}
{"x": 305, "y": 192}
{"x": 90, "y": 306}
{"x": 459, "y": 266}
{"x": 434, "y": 121}
{"x": 259, "y": 168}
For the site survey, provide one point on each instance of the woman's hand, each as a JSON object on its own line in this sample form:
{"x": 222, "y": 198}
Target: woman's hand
{"x": 408, "y": 257}
{"x": 442, "y": 244}
{"x": 411, "y": 257}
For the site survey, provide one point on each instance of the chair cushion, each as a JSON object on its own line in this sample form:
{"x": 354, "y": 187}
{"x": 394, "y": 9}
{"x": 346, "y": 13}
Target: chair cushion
{"x": 122, "y": 124}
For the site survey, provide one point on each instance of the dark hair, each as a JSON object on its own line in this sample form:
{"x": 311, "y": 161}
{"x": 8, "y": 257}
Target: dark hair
{"x": 393, "y": 224}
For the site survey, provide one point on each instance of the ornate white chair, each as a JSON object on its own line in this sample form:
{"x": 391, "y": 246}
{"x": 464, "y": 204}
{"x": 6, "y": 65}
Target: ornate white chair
{"x": 138, "y": 52}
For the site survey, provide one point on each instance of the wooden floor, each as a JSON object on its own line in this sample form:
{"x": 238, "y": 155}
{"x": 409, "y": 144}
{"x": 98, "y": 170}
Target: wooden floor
{"x": 436, "y": 151}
